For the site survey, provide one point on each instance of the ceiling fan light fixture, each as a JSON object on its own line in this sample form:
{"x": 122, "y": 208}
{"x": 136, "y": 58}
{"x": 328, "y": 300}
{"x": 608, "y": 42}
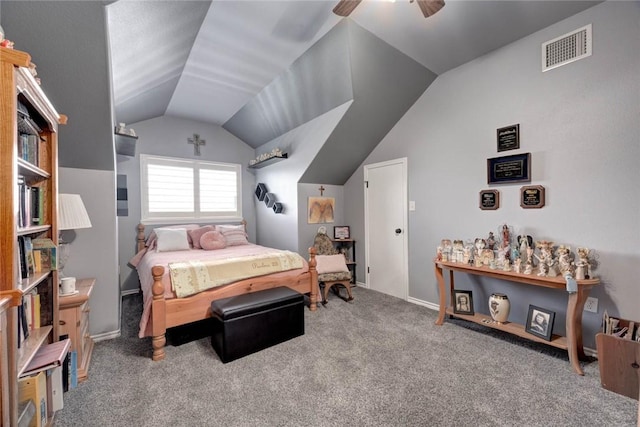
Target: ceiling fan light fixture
{"x": 430, "y": 7}
{"x": 345, "y": 7}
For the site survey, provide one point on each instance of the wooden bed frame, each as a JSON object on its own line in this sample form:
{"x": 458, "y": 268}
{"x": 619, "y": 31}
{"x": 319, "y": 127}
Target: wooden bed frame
{"x": 167, "y": 313}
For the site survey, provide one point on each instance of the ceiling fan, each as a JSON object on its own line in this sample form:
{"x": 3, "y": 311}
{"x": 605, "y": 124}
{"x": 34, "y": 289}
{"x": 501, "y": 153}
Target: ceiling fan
{"x": 428, "y": 7}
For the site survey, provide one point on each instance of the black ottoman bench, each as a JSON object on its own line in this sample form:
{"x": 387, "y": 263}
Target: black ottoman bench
{"x": 252, "y": 322}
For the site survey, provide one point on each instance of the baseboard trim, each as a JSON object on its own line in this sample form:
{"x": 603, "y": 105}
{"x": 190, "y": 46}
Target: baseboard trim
{"x": 106, "y": 336}
{"x": 427, "y": 304}
{"x": 129, "y": 292}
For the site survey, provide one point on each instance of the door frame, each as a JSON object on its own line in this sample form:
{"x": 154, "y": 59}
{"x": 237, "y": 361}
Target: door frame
{"x": 405, "y": 222}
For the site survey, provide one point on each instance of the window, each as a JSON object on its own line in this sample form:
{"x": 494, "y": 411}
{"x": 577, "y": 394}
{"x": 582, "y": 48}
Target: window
{"x": 182, "y": 189}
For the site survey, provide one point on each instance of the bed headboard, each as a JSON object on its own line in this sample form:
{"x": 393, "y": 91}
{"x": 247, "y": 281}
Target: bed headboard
{"x": 141, "y": 237}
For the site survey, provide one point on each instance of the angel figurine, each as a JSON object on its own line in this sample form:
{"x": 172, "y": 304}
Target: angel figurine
{"x": 583, "y": 268}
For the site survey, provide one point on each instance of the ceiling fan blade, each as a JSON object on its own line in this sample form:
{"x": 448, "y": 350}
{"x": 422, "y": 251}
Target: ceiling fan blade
{"x": 345, "y": 7}
{"x": 430, "y": 7}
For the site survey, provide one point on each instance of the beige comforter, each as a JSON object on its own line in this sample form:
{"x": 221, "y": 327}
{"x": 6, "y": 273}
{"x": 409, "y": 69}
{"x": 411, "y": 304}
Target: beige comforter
{"x": 192, "y": 276}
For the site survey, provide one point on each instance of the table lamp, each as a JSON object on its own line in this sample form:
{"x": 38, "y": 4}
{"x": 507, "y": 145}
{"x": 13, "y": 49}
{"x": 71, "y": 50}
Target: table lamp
{"x": 72, "y": 215}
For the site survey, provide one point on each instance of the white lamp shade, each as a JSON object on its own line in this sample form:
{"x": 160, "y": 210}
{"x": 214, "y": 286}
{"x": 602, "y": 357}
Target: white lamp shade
{"x": 72, "y": 213}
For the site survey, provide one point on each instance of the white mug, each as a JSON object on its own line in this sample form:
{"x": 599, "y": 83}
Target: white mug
{"x": 68, "y": 285}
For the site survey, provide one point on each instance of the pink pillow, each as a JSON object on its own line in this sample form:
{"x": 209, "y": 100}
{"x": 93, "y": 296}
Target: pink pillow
{"x": 331, "y": 264}
{"x": 212, "y": 240}
{"x": 235, "y": 234}
{"x": 197, "y": 234}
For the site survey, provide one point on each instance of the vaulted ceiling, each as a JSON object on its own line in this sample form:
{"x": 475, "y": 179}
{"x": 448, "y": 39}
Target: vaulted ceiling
{"x": 207, "y": 60}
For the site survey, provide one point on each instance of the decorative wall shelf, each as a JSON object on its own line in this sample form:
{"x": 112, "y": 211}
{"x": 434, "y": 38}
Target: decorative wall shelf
{"x": 125, "y": 144}
{"x": 268, "y": 161}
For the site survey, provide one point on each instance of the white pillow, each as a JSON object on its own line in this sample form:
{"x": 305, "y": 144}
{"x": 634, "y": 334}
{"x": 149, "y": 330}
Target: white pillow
{"x": 172, "y": 239}
{"x": 331, "y": 264}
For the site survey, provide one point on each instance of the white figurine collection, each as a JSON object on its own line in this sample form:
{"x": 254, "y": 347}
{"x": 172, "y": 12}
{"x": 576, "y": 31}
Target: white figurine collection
{"x": 276, "y": 152}
{"x": 519, "y": 255}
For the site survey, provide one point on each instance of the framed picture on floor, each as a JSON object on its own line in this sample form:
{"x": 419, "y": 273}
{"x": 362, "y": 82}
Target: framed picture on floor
{"x": 463, "y": 302}
{"x": 540, "y": 322}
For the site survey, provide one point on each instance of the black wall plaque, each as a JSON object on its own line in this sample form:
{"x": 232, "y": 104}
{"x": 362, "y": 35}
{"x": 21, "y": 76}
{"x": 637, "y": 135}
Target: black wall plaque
{"x": 516, "y": 168}
{"x": 489, "y": 199}
{"x": 532, "y": 196}
{"x": 508, "y": 138}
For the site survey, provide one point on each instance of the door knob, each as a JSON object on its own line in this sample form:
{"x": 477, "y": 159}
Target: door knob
{"x": 398, "y": 231}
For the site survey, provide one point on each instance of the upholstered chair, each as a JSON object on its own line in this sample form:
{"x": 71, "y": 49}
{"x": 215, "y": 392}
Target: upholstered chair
{"x": 332, "y": 268}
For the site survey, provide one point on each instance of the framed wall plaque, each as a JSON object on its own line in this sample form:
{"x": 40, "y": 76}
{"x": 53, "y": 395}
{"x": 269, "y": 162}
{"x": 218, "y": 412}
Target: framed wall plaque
{"x": 532, "y": 196}
{"x": 508, "y": 138}
{"x": 516, "y": 168}
{"x": 489, "y": 199}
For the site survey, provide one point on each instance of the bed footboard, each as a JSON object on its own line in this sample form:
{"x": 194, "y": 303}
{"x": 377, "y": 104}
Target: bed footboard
{"x": 179, "y": 311}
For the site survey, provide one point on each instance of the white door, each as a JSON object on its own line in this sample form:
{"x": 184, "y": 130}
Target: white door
{"x": 385, "y": 200}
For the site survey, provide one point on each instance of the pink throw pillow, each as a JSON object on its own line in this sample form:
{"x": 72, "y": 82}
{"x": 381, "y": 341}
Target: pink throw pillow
{"x": 212, "y": 240}
{"x": 197, "y": 234}
{"x": 331, "y": 264}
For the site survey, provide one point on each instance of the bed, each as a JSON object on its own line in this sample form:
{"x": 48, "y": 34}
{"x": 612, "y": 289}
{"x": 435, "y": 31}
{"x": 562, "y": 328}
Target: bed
{"x": 164, "y": 309}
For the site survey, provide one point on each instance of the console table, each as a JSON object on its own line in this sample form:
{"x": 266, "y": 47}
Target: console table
{"x": 575, "y": 304}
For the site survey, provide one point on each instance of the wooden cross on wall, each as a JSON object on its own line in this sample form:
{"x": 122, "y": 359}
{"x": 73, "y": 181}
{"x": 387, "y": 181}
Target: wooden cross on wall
{"x": 321, "y": 190}
{"x": 197, "y": 142}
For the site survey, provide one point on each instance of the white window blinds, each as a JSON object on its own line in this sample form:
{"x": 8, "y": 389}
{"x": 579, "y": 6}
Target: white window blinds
{"x": 182, "y": 189}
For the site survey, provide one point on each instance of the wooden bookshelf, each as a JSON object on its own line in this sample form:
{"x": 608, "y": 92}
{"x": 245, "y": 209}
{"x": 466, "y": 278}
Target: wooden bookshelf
{"x": 26, "y": 115}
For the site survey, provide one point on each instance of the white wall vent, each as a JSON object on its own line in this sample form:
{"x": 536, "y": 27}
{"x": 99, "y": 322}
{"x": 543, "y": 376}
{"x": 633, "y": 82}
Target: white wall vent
{"x": 567, "y": 48}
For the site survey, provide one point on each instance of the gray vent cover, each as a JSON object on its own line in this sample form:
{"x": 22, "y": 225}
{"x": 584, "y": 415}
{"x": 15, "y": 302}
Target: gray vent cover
{"x": 567, "y": 48}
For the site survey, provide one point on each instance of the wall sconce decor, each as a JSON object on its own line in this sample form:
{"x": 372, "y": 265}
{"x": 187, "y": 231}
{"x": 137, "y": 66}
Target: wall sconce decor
{"x": 261, "y": 191}
{"x": 269, "y": 199}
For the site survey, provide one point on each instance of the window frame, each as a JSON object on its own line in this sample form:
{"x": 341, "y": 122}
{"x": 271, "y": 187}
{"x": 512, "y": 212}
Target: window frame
{"x": 187, "y": 217}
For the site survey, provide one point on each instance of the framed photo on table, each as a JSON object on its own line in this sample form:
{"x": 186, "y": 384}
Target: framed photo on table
{"x": 540, "y": 322}
{"x": 341, "y": 232}
{"x": 463, "y": 302}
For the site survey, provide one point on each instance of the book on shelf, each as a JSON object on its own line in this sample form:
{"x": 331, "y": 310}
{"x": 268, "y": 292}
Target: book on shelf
{"x": 48, "y": 356}
{"x": 32, "y": 309}
{"x": 35, "y": 388}
{"x": 21, "y": 184}
{"x": 54, "y": 389}
{"x": 70, "y": 370}
{"x": 37, "y": 261}
{"x": 28, "y": 148}
{"x": 73, "y": 369}
{"x": 24, "y": 207}
{"x": 28, "y": 308}
{"x": 47, "y": 250}
{"x": 37, "y": 205}
{"x": 28, "y": 252}
{"x": 26, "y": 413}
{"x": 24, "y": 271}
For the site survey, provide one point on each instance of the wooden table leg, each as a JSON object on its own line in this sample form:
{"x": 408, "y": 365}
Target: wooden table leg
{"x": 575, "y": 305}
{"x": 443, "y": 295}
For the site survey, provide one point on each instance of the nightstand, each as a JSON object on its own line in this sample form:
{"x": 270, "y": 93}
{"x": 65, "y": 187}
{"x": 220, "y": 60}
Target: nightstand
{"x": 74, "y": 322}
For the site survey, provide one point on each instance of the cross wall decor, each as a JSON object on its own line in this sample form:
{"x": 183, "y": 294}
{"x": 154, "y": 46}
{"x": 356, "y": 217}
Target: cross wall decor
{"x": 197, "y": 142}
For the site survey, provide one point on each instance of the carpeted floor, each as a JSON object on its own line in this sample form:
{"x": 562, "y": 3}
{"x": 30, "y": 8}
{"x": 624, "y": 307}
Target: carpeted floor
{"x": 378, "y": 361}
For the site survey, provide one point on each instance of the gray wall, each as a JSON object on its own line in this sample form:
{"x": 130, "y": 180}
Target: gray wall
{"x": 67, "y": 42}
{"x": 167, "y": 136}
{"x": 580, "y": 122}
{"x": 315, "y": 83}
{"x": 287, "y": 230}
{"x": 93, "y": 253}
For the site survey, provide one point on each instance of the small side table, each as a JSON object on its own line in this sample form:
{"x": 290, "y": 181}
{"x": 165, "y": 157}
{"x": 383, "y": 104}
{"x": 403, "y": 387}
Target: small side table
{"x": 74, "y": 322}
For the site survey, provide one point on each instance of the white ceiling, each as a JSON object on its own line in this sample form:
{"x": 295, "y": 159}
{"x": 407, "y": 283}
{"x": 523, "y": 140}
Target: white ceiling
{"x": 205, "y": 60}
